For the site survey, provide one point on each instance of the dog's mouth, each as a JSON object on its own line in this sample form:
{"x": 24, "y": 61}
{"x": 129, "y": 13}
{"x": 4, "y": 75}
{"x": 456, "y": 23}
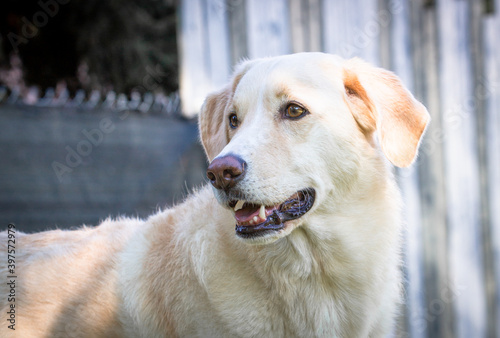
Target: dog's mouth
{"x": 254, "y": 220}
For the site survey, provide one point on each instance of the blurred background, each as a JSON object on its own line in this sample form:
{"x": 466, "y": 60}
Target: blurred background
{"x": 98, "y": 102}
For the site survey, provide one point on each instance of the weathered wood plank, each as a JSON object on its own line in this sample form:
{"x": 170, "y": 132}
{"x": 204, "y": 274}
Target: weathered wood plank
{"x": 490, "y": 89}
{"x": 431, "y": 173}
{"x": 352, "y": 28}
{"x": 305, "y": 25}
{"x": 400, "y": 55}
{"x": 217, "y": 39}
{"x": 480, "y": 93}
{"x": 462, "y": 168}
{"x": 204, "y": 51}
{"x": 268, "y": 28}
{"x": 194, "y": 81}
{"x": 298, "y": 24}
{"x": 237, "y": 29}
{"x": 315, "y": 31}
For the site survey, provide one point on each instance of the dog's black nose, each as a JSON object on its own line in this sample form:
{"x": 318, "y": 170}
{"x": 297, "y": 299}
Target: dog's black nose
{"x": 224, "y": 172}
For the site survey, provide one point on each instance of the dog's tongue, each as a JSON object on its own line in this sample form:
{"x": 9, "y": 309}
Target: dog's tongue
{"x": 251, "y": 214}
{"x": 247, "y": 213}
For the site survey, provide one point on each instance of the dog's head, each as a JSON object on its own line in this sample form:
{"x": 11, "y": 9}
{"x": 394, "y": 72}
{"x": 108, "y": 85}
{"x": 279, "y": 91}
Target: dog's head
{"x": 289, "y": 132}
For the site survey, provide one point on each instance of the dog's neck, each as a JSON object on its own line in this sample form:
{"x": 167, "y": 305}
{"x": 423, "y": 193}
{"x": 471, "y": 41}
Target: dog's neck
{"x": 327, "y": 244}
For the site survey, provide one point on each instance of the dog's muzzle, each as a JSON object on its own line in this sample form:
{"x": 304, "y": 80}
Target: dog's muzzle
{"x": 253, "y": 219}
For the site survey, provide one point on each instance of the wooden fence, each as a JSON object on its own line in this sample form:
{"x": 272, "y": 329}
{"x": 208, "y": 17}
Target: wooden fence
{"x": 448, "y": 53}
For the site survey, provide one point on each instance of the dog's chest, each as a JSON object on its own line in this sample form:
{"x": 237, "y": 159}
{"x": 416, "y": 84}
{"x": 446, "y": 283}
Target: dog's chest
{"x": 293, "y": 311}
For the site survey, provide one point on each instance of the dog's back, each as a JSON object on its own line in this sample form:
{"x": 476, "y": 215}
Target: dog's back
{"x": 64, "y": 282}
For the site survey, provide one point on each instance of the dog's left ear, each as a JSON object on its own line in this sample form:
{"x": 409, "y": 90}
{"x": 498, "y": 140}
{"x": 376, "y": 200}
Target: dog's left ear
{"x": 380, "y": 102}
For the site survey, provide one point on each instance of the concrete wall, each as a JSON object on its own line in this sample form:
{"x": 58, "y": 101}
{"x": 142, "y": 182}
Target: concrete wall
{"x": 63, "y": 167}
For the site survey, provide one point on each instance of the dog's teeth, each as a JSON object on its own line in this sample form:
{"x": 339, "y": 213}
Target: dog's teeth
{"x": 255, "y": 219}
{"x": 262, "y": 212}
{"x": 239, "y": 205}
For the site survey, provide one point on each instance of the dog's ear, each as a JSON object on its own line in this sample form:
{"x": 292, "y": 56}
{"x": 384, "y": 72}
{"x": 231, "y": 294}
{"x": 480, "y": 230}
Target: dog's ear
{"x": 380, "y": 102}
{"x": 211, "y": 121}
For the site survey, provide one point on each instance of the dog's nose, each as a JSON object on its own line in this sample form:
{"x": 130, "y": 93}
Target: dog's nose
{"x": 224, "y": 172}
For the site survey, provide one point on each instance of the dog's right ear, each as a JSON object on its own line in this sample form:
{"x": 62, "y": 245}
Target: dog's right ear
{"x": 212, "y": 119}
{"x": 211, "y": 122}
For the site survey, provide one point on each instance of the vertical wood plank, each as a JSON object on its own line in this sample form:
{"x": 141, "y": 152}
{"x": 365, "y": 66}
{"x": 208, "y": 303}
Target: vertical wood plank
{"x": 237, "y": 29}
{"x": 268, "y": 28}
{"x": 352, "y": 28}
{"x": 217, "y": 38}
{"x": 491, "y": 90}
{"x": 305, "y": 25}
{"x": 384, "y": 40}
{"x": 432, "y": 322}
{"x": 478, "y": 17}
{"x": 315, "y": 37}
{"x": 194, "y": 80}
{"x": 401, "y": 63}
{"x": 298, "y": 25}
{"x": 462, "y": 169}
{"x": 204, "y": 51}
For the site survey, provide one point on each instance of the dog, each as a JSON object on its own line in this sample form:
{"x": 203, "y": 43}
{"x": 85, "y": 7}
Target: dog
{"x": 298, "y": 233}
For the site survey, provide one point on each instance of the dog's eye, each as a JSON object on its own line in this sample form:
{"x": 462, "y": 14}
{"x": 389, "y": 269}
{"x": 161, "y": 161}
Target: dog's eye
{"x": 294, "y": 111}
{"x": 233, "y": 120}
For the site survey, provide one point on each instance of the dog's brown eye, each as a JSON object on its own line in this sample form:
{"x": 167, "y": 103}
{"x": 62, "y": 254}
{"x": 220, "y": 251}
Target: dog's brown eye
{"x": 294, "y": 111}
{"x": 233, "y": 121}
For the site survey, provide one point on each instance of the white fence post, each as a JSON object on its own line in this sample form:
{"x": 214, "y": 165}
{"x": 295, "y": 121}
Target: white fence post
{"x": 462, "y": 168}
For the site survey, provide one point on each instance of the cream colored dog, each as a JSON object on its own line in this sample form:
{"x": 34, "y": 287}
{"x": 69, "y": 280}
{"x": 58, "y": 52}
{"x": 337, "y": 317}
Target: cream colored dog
{"x": 299, "y": 237}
